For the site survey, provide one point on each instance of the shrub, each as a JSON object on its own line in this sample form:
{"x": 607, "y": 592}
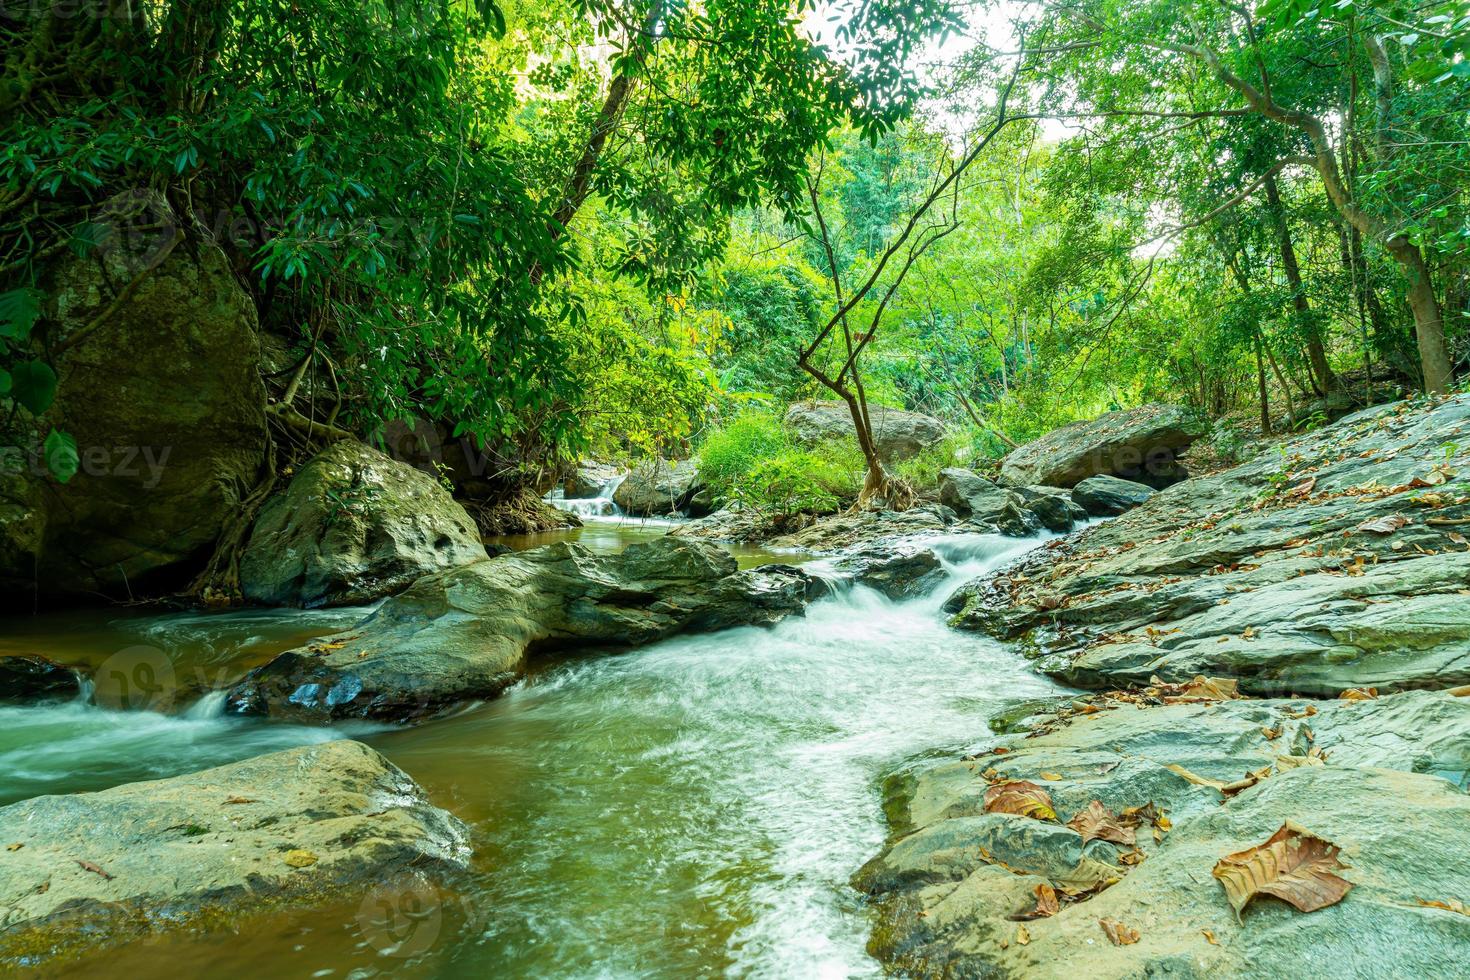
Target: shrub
{"x": 729, "y": 454}
{"x": 753, "y": 461}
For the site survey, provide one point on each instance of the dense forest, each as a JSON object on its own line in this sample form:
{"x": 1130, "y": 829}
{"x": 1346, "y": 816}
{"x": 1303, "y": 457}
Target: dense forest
{"x": 801, "y": 487}
{"x": 611, "y": 229}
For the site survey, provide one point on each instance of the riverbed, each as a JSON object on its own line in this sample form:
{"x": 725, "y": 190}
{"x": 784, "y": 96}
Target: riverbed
{"x": 691, "y": 808}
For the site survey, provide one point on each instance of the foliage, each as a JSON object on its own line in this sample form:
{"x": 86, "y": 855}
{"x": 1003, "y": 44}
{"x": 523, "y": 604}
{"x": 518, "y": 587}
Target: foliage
{"x": 753, "y": 462}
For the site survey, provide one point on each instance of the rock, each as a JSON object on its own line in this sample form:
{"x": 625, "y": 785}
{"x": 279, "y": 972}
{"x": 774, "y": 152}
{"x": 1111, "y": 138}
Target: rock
{"x": 899, "y": 571}
{"x": 352, "y": 527}
{"x": 983, "y": 502}
{"x": 1108, "y": 496}
{"x": 738, "y": 526}
{"x": 899, "y": 435}
{"x": 1336, "y": 562}
{"x": 587, "y": 480}
{"x": 465, "y": 633}
{"x": 1391, "y": 793}
{"x": 657, "y": 488}
{"x": 1053, "y": 507}
{"x": 842, "y": 531}
{"x": 1141, "y": 444}
{"x": 167, "y": 408}
{"x": 287, "y": 830}
{"x": 26, "y": 679}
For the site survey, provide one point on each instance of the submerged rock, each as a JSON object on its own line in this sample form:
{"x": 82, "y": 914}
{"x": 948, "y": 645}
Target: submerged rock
{"x": 1108, "y": 496}
{"x": 1386, "y": 782}
{"x": 1339, "y": 561}
{"x": 352, "y": 527}
{"x": 1141, "y": 444}
{"x": 290, "y": 829}
{"x": 465, "y": 633}
{"x": 25, "y": 679}
{"x": 899, "y": 435}
{"x": 900, "y": 571}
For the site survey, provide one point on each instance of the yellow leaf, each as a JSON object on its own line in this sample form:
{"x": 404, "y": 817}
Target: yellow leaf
{"x": 300, "y": 859}
{"x": 1021, "y": 798}
{"x": 1051, "y": 776}
{"x": 1118, "y": 934}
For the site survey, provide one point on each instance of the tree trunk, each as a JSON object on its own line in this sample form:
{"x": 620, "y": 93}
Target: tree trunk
{"x": 1322, "y": 375}
{"x": 1434, "y": 354}
{"x": 1261, "y": 387}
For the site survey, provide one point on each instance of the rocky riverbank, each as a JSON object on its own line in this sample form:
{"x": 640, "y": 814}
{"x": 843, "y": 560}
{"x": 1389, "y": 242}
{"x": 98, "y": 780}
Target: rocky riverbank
{"x": 1332, "y": 567}
{"x": 280, "y": 831}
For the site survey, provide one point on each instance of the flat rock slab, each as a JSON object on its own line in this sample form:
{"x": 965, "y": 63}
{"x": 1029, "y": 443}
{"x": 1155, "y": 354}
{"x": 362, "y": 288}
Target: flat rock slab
{"x": 1339, "y": 560}
{"x": 1390, "y": 792}
{"x": 1141, "y": 444}
{"x": 465, "y": 634}
{"x": 292, "y": 828}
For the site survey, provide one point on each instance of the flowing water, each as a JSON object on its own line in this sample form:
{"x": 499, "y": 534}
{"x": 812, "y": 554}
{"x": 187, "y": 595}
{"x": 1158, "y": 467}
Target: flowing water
{"x": 693, "y": 808}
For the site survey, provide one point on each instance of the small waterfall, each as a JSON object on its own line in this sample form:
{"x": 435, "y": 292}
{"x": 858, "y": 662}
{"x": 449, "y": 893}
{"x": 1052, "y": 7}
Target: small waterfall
{"x": 212, "y": 705}
{"x": 599, "y": 506}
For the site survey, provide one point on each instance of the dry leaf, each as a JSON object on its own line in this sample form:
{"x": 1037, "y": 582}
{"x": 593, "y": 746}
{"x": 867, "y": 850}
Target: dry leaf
{"x": 1359, "y": 694}
{"x": 1384, "y": 525}
{"x": 1215, "y": 688}
{"x": 1097, "y": 823}
{"x": 1209, "y": 937}
{"x": 14, "y": 847}
{"x": 1303, "y": 488}
{"x": 89, "y": 866}
{"x": 1051, "y": 777}
{"x": 1459, "y": 692}
{"x": 1020, "y": 797}
{"x": 1287, "y": 762}
{"x": 1195, "y": 778}
{"x": 1118, "y": 934}
{"x": 1295, "y": 865}
{"x": 1022, "y": 936}
{"x": 1047, "y": 904}
{"x": 300, "y": 859}
{"x": 236, "y": 800}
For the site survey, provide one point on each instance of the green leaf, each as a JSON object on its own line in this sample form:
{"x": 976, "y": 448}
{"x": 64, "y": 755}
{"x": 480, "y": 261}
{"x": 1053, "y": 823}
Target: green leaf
{"x": 61, "y": 455}
{"x": 19, "y": 310}
{"x": 4, "y": 382}
{"x": 33, "y": 384}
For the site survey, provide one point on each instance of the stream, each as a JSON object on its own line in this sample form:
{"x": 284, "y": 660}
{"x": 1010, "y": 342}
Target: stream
{"x": 691, "y": 808}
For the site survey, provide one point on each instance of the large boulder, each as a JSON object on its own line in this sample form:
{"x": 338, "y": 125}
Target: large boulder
{"x": 285, "y": 831}
{"x": 587, "y": 479}
{"x": 659, "y": 488}
{"x": 1340, "y": 561}
{"x": 899, "y": 435}
{"x": 466, "y": 633}
{"x": 1384, "y": 779}
{"x": 1141, "y": 444}
{"x": 976, "y": 498}
{"x": 159, "y": 385}
{"x": 1108, "y": 496}
{"x": 352, "y": 527}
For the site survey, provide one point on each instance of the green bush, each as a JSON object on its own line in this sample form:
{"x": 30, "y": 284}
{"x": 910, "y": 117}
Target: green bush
{"x": 730, "y": 453}
{"x": 753, "y": 462}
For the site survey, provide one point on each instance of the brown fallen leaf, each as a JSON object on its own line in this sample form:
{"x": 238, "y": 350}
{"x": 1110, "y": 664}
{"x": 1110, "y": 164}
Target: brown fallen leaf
{"x": 1022, "y": 936}
{"x": 1288, "y": 762}
{"x": 1459, "y": 692}
{"x": 1359, "y": 694}
{"x": 300, "y": 859}
{"x": 1195, "y": 778}
{"x": 1097, "y": 823}
{"x": 237, "y": 800}
{"x": 14, "y": 847}
{"x": 1118, "y": 934}
{"x": 1020, "y": 797}
{"x": 89, "y": 866}
{"x": 1209, "y": 937}
{"x": 1051, "y": 777}
{"x": 1047, "y": 904}
{"x": 1215, "y": 688}
{"x": 1384, "y": 525}
{"x": 1294, "y": 865}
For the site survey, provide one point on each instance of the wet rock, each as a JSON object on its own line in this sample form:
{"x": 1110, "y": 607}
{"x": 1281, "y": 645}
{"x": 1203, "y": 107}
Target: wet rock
{"x": 352, "y": 527}
{"x": 1054, "y": 507}
{"x": 899, "y": 571}
{"x": 27, "y": 679}
{"x": 465, "y": 633}
{"x": 1141, "y": 444}
{"x": 588, "y": 479}
{"x": 1389, "y": 790}
{"x": 659, "y": 488}
{"x": 974, "y": 497}
{"x": 287, "y": 830}
{"x": 164, "y": 399}
{"x": 1337, "y": 562}
{"x": 849, "y": 530}
{"x": 1108, "y": 496}
{"x": 899, "y": 435}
